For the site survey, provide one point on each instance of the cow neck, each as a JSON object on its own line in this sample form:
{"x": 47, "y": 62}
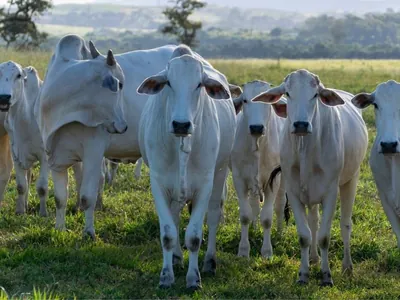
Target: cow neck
{"x": 395, "y": 197}
{"x": 20, "y": 110}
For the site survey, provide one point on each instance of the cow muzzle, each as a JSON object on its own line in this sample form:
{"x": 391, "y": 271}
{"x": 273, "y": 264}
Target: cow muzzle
{"x": 5, "y": 102}
{"x": 257, "y": 130}
{"x": 117, "y": 128}
{"x": 181, "y": 129}
{"x": 301, "y": 128}
{"x": 389, "y": 148}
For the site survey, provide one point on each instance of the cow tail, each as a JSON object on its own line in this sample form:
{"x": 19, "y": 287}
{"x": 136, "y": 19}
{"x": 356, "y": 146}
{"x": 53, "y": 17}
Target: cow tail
{"x": 274, "y": 173}
{"x": 287, "y": 210}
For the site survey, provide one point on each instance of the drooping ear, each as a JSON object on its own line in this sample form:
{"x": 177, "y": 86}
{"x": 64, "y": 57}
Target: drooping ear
{"x": 214, "y": 88}
{"x": 271, "y": 96}
{"x": 235, "y": 90}
{"x": 363, "y": 100}
{"x": 330, "y": 97}
{"x": 111, "y": 83}
{"x": 238, "y": 103}
{"x": 280, "y": 109}
{"x": 153, "y": 85}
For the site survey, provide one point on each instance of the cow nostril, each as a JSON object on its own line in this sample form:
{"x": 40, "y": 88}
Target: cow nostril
{"x": 389, "y": 147}
{"x": 256, "y": 129}
{"x": 5, "y": 98}
{"x": 181, "y": 125}
{"x": 300, "y": 124}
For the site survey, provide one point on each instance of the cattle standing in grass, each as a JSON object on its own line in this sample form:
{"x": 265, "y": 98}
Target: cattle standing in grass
{"x": 186, "y": 136}
{"x": 324, "y": 142}
{"x": 254, "y": 156}
{"x": 384, "y": 160}
{"x": 79, "y": 106}
{"x": 20, "y": 87}
{"x": 111, "y": 167}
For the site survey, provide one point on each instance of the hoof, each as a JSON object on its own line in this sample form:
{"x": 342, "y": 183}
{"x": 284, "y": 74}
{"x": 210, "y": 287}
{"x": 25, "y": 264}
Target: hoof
{"x": 301, "y": 282}
{"x": 326, "y": 279}
{"x": 267, "y": 253}
{"x": 303, "y": 278}
{"x": 244, "y": 252}
{"x": 193, "y": 288}
{"x": 89, "y": 235}
{"x": 20, "y": 212}
{"x": 347, "y": 269}
{"x": 193, "y": 281}
{"x": 43, "y": 213}
{"x": 166, "y": 279}
{"x": 326, "y": 283}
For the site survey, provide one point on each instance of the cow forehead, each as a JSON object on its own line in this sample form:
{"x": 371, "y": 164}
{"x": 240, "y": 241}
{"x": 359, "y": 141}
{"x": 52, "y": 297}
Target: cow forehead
{"x": 185, "y": 67}
{"x": 302, "y": 80}
{"x": 8, "y": 69}
{"x": 254, "y": 88}
{"x": 388, "y": 92}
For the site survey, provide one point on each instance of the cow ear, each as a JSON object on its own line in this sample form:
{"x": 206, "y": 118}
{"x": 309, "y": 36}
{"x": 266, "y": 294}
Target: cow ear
{"x": 271, "y": 96}
{"x": 24, "y": 75}
{"x": 330, "y": 97}
{"x": 238, "y": 103}
{"x": 215, "y": 89}
{"x": 111, "y": 83}
{"x": 363, "y": 100}
{"x": 153, "y": 85}
{"x": 280, "y": 109}
{"x": 235, "y": 90}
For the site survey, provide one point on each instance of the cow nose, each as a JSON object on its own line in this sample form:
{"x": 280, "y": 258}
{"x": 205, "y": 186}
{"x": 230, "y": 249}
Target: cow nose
{"x": 389, "y": 147}
{"x": 181, "y": 128}
{"x": 5, "y": 99}
{"x": 257, "y": 129}
{"x": 301, "y": 127}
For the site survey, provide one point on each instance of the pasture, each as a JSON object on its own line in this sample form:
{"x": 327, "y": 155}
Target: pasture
{"x": 125, "y": 260}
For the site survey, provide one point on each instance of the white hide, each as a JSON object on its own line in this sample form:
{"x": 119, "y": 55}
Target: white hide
{"x": 320, "y": 159}
{"x": 25, "y": 139}
{"x": 386, "y": 166}
{"x": 188, "y": 167}
{"x": 253, "y": 158}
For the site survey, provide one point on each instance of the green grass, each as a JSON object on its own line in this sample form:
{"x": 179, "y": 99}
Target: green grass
{"x": 38, "y": 262}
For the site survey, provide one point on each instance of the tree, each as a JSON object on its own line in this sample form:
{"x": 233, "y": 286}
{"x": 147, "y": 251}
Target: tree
{"x": 276, "y": 32}
{"x": 179, "y": 23}
{"x": 17, "y": 23}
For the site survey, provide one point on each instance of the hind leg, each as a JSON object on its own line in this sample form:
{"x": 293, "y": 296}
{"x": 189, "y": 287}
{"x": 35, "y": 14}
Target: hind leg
{"x": 42, "y": 186}
{"x": 6, "y": 165}
{"x": 77, "y": 168}
{"x": 313, "y": 219}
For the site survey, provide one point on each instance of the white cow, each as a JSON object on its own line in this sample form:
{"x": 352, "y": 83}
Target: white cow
{"x": 254, "y": 156}
{"x": 79, "y": 106}
{"x": 18, "y": 91}
{"x": 111, "y": 167}
{"x": 384, "y": 160}
{"x": 186, "y": 136}
{"x": 324, "y": 142}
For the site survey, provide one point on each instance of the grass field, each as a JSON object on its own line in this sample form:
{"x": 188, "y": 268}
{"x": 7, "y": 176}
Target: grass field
{"x": 126, "y": 259}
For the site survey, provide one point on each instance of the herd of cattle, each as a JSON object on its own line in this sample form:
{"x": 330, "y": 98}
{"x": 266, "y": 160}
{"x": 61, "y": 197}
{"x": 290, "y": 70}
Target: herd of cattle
{"x": 170, "y": 108}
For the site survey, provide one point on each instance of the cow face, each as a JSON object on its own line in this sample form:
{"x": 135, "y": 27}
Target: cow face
{"x": 386, "y": 104}
{"x": 112, "y": 81}
{"x": 302, "y": 89}
{"x": 256, "y": 114}
{"x": 12, "y": 78}
{"x": 184, "y": 81}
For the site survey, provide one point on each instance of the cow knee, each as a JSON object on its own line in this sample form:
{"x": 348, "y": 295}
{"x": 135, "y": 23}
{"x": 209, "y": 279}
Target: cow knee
{"x": 304, "y": 241}
{"x": 85, "y": 202}
{"x": 42, "y": 191}
{"x": 168, "y": 241}
{"x": 324, "y": 242}
{"x": 245, "y": 220}
{"x": 267, "y": 223}
{"x": 21, "y": 189}
{"x": 194, "y": 244}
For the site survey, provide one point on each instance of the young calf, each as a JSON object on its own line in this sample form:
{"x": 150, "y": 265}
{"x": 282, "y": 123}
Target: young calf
{"x": 254, "y": 156}
{"x": 186, "y": 135}
{"x": 18, "y": 91}
{"x": 384, "y": 160}
{"x": 324, "y": 143}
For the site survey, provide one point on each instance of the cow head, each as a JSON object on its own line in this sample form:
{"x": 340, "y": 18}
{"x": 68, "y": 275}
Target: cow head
{"x": 387, "y": 115}
{"x": 32, "y": 83}
{"x": 12, "y": 78}
{"x": 303, "y": 90}
{"x": 257, "y": 114}
{"x": 184, "y": 81}
{"x": 112, "y": 79}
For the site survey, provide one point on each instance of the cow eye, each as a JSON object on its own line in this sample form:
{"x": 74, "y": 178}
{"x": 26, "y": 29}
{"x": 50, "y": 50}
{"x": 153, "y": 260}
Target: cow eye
{"x": 287, "y": 95}
{"x": 19, "y": 76}
{"x": 375, "y": 105}
{"x": 244, "y": 101}
{"x": 316, "y": 95}
{"x": 121, "y": 85}
{"x": 168, "y": 84}
{"x": 199, "y": 86}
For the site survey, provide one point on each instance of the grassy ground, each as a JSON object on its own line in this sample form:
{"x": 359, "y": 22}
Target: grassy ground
{"x": 126, "y": 259}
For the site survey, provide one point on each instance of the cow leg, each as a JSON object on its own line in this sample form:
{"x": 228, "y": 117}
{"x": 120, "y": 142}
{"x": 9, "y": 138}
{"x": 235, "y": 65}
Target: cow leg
{"x": 177, "y": 258}
{"x": 103, "y": 173}
{"x": 22, "y": 189}
{"x": 92, "y": 165}
{"x": 42, "y": 186}
{"x": 168, "y": 232}
{"x": 77, "y": 168}
{"x": 138, "y": 168}
{"x": 347, "y": 198}
{"x": 393, "y": 218}
{"x": 213, "y": 218}
{"x": 255, "y": 208}
{"x": 60, "y": 180}
{"x": 304, "y": 234}
{"x": 266, "y": 219}
{"x": 245, "y": 212}
{"x": 324, "y": 234}
{"x": 280, "y": 203}
{"x": 313, "y": 219}
{"x": 6, "y": 165}
{"x": 194, "y": 231}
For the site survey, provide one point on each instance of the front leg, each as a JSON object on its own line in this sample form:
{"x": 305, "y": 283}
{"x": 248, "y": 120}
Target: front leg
{"x": 22, "y": 189}
{"x": 42, "y": 186}
{"x": 176, "y": 212}
{"x": 77, "y": 168}
{"x": 168, "y": 232}
{"x": 60, "y": 180}
{"x": 194, "y": 231}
